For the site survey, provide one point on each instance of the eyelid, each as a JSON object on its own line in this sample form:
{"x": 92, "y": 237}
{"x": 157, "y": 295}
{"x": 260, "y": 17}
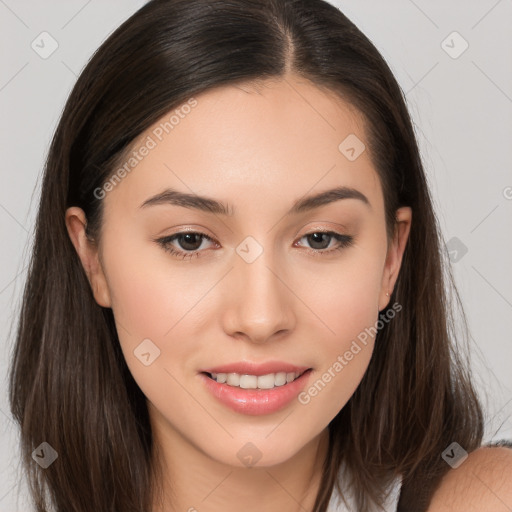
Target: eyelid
{"x": 177, "y": 230}
{"x": 313, "y": 227}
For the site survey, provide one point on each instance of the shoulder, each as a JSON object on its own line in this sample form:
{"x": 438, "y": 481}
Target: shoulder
{"x": 483, "y": 482}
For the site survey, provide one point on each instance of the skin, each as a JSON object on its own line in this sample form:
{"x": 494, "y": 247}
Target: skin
{"x": 483, "y": 483}
{"x": 257, "y": 148}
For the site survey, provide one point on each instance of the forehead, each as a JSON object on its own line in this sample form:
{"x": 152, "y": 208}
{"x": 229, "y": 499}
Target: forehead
{"x": 277, "y": 138}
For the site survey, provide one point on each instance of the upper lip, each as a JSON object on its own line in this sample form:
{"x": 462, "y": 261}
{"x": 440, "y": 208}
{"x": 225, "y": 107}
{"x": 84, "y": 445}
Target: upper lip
{"x": 250, "y": 368}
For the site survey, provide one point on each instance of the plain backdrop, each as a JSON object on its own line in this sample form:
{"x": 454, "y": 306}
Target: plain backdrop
{"x": 453, "y": 59}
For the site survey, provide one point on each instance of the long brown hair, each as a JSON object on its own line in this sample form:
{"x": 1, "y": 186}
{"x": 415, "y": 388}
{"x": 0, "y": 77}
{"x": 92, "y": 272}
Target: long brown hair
{"x": 69, "y": 383}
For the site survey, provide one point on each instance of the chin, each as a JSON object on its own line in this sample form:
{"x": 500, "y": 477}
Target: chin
{"x": 259, "y": 451}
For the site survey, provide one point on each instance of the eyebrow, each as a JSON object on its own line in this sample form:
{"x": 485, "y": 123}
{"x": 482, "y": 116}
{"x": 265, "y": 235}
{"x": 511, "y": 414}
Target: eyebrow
{"x": 206, "y": 204}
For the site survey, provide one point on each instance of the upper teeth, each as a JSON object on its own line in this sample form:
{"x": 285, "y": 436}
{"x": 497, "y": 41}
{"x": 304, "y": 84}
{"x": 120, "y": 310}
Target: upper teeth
{"x": 255, "y": 381}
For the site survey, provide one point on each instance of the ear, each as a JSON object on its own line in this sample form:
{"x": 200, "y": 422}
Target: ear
{"x": 88, "y": 253}
{"x": 395, "y": 253}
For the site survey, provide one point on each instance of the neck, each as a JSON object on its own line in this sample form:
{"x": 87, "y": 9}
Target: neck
{"x": 191, "y": 481}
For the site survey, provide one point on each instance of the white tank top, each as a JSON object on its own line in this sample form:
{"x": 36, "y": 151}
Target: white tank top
{"x": 336, "y": 504}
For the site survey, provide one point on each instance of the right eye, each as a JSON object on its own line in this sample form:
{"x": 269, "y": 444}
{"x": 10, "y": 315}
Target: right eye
{"x": 190, "y": 242}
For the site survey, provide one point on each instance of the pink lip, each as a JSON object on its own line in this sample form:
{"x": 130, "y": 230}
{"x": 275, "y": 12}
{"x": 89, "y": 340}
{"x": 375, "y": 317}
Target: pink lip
{"x": 255, "y": 401}
{"x": 248, "y": 368}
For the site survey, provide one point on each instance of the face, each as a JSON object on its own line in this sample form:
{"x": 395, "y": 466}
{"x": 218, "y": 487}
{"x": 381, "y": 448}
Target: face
{"x": 255, "y": 281}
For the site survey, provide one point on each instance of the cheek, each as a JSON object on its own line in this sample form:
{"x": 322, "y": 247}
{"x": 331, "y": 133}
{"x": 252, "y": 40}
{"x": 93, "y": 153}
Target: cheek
{"x": 344, "y": 295}
{"x": 152, "y": 300}
{"x": 346, "y": 302}
{"x": 143, "y": 301}
{"x": 345, "y": 352}
{"x": 149, "y": 295}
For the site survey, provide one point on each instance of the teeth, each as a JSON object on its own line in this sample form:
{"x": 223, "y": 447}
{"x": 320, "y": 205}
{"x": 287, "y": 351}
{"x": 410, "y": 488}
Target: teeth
{"x": 233, "y": 379}
{"x": 256, "y": 381}
{"x": 266, "y": 381}
{"x": 248, "y": 381}
{"x": 280, "y": 379}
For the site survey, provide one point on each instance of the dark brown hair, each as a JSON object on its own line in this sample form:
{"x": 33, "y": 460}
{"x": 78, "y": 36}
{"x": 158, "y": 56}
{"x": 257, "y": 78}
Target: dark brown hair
{"x": 69, "y": 383}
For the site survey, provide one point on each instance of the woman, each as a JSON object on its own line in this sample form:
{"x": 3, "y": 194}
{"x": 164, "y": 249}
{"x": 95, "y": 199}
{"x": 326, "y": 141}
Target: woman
{"x": 236, "y": 294}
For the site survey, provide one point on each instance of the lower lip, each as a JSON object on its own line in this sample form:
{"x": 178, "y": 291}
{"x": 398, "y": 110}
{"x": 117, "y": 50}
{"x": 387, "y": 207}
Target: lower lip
{"x": 256, "y": 401}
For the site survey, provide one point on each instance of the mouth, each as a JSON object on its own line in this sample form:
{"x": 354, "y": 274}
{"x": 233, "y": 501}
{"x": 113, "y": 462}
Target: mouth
{"x": 248, "y": 381}
{"x": 251, "y": 394}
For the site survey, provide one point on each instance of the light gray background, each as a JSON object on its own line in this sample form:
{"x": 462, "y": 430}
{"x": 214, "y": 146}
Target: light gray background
{"x": 462, "y": 109}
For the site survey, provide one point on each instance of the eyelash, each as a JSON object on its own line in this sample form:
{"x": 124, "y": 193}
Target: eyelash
{"x": 345, "y": 241}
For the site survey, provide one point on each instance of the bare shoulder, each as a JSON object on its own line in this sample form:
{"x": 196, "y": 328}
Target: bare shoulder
{"x": 483, "y": 482}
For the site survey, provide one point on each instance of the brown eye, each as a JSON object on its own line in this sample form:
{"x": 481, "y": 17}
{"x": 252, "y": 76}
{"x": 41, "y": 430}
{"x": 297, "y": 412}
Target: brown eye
{"x": 320, "y": 241}
{"x": 188, "y": 243}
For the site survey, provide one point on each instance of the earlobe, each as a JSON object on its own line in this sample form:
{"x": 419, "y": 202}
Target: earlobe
{"x": 87, "y": 251}
{"x": 395, "y": 254}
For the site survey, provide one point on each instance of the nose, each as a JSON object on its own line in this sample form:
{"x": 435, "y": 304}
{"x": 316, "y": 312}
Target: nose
{"x": 259, "y": 306}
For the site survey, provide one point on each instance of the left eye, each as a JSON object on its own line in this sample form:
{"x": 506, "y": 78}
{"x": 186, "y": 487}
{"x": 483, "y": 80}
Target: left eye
{"x": 319, "y": 238}
{"x": 190, "y": 242}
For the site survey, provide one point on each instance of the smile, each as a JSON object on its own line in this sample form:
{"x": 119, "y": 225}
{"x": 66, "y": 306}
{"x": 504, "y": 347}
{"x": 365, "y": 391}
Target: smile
{"x": 255, "y": 394}
{"x": 244, "y": 381}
